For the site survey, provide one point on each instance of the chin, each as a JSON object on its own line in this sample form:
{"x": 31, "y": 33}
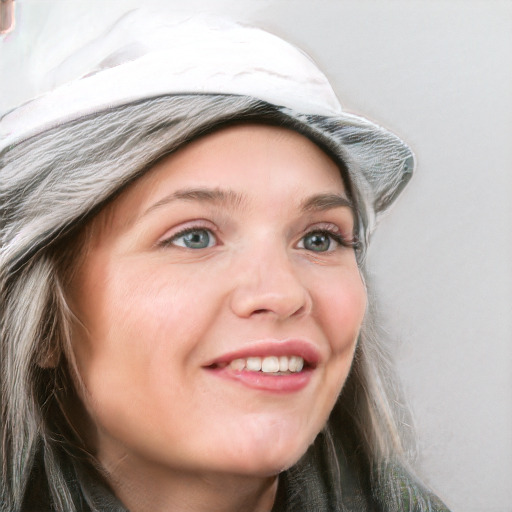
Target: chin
{"x": 265, "y": 468}
{"x": 267, "y": 446}
{"x": 269, "y": 460}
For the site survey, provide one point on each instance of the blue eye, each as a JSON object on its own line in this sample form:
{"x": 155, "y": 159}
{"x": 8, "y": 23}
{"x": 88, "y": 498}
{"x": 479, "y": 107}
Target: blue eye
{"x": 317, "y": 241}
{"x": 193, "y": 238}
{"x": 323, "y": 241}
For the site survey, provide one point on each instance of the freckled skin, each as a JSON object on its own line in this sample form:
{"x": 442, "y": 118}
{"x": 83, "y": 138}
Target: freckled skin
{"x": 154, "y": 312}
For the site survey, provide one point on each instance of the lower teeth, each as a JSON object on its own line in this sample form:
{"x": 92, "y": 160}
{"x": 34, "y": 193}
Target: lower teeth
{"x": 272, "y": 373}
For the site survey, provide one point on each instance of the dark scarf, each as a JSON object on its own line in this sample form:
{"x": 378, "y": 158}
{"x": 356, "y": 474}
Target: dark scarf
{"x": 309, "y": 486}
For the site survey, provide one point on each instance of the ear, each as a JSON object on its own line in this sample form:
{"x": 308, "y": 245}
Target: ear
{"x": 49, "y": 355}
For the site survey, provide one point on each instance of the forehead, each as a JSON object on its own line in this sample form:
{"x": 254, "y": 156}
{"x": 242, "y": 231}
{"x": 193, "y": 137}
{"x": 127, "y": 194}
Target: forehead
{"x": 243, "y": 155}
{"x": 253, "y": 163}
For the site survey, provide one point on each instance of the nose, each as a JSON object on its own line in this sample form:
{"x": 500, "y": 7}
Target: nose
{"x": 269, "y": 284}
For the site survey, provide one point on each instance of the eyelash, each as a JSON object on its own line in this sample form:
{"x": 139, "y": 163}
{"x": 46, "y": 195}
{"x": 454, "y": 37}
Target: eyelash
{"x": 169, "y": 241}
{"x": 332, "y": 232}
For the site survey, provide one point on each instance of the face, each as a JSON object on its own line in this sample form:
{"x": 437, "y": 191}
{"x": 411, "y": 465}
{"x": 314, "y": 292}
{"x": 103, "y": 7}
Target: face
{"x": 219, "y": 305}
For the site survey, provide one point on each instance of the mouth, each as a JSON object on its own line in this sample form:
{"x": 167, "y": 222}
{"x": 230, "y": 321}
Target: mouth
{"x": 270, "y": 366}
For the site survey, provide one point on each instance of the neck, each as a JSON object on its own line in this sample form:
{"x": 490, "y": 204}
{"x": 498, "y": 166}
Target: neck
{"x": 146, "y": 490}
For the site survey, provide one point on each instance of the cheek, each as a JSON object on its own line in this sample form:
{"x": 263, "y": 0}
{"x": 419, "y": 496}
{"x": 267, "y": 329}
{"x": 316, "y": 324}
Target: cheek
{"x": 340, "y": 305}
{"x": 341, "y": 308}
{"x": 139, "y": 338}
{"x": 139, "y": 320}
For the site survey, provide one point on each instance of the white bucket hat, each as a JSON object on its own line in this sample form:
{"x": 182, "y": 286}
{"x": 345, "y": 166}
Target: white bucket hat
{"x": 143, "y": 56}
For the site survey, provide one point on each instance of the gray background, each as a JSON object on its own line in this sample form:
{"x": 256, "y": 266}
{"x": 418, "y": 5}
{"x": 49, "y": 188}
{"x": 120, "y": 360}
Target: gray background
{"x": 439, "y": 73}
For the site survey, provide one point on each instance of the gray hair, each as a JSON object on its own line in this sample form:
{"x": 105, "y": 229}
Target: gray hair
{"x": 51, "y": 186}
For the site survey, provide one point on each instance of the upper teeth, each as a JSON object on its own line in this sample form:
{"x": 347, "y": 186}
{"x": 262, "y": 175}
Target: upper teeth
{"x": 270, "y": 364}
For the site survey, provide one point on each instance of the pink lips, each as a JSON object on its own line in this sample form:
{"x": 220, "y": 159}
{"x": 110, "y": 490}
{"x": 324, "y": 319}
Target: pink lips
{"x": 284, "y": 383}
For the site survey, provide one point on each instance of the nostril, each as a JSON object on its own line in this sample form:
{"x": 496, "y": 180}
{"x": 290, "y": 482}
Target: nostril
{"x": 261, "y": 300}
{"x": 287, "y": 313}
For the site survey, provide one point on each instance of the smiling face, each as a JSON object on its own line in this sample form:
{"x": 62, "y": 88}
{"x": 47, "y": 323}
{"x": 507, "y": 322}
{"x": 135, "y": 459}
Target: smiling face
{"x": 232, "y": 254}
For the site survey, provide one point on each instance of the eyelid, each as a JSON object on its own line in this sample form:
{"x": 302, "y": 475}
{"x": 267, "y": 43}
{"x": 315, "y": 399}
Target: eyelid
{"x": 334, "y": 231}
{"x": 195, "y": 225}
{"x": 338, "y": 235}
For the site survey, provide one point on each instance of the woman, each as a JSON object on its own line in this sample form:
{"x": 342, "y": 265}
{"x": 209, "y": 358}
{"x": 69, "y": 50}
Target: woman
{"x": 185, "y": 322}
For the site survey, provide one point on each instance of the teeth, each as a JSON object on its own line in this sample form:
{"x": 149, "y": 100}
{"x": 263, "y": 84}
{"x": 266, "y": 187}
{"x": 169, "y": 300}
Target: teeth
{"x": 269, "y": 364}
{"x": 253, "y": 364}
{"x": 283, "y": 364}
{"x": 295, "y": 364}
{"x": 237, "y": 364}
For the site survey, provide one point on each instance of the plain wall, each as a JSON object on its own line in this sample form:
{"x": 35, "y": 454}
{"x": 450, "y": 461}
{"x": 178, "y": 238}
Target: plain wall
{"x": 438, "y": 73}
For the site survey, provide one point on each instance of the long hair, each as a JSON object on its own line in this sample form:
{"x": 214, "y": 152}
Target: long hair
{"x": 51, "y": 186}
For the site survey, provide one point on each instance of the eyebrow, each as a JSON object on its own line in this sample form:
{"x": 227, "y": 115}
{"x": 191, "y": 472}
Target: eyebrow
{"x": 322, "y": 202}
{"x": 209, "y": 195}
{"x": 317, "y": 202}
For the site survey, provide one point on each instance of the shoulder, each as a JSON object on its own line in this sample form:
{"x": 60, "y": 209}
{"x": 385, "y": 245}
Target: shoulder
{"x": 399, "y": 489}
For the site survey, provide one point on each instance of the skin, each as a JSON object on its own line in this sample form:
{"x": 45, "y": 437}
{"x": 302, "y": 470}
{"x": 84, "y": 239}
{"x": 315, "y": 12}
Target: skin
{"x": 153, "y": 314}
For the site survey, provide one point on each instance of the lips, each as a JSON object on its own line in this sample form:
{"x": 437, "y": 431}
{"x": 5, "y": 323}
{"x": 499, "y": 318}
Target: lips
{"x": 279, "y": 366}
